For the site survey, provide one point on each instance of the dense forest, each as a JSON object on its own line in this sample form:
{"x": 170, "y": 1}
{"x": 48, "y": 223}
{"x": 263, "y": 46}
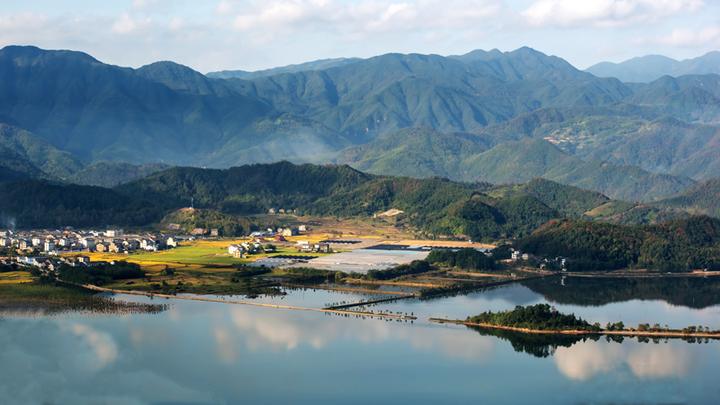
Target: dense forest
{"x": 466, "y": 259}
{"x": 680, "y": 245}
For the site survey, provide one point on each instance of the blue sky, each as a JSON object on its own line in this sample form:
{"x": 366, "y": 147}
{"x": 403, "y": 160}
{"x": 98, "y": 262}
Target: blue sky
{"x": 252, "y": 34}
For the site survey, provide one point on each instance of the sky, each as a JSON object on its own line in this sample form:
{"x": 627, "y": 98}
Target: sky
{"x": 211, "y": 35}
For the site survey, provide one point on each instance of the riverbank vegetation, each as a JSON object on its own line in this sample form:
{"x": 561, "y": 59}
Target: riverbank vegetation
{"x": 538, "y": 317}
{"x": 100, "y": 273}
{"x": 415, "y": 267}
{"x": 53, "y": 298}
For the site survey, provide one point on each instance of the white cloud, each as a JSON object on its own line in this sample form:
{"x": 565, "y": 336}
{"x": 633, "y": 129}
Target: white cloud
{"x": 604, "y": 13}
{"x": 586, "y": 360}
{"x": 101, "y": 343}
{"x": 366, "y": 16}
{"x": 689, "y": 38}
{"x": 126, "y": 24}
{"x": 23, "y": 21}
{"x": 660, "y": 361}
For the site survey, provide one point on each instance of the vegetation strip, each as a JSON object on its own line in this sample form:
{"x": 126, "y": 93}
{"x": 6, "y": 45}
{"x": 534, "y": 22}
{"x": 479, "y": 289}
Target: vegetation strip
{"x": 256, "y": 304}
{"x": 661, "y": 334}
{"x": 345, "y": 289}
{"x": 377, "y": 301}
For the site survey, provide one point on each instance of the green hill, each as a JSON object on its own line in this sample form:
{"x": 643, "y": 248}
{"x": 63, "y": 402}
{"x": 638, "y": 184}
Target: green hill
{"x": 111, "y": 174}
{"x": 41, "y": 204}
{"x": 703, "y": 198}
{"x": 679, "y": 245}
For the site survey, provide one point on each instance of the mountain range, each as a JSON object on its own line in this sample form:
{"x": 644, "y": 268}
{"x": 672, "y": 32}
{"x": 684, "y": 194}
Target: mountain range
{"x": 645, "y": 69}
{"x": 486, "y": 116}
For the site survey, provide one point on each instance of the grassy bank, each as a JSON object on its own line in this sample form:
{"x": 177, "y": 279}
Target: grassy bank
{"x": 53, "y": 298}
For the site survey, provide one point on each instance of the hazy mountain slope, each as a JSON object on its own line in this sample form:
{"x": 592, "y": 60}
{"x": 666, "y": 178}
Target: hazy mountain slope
{"x": 285, "y": 137}
{"x": 690, "y": 98}
{"x": 703, "y": 198}
{"x": 645, "y": 69}
{"x": 301, "y": 67}
{"x": 38, "y": 153}
{"x": 519, "y": 162}
{"x": 98, "y": 111}
{"x": 111, "y": 174}
{"x": 415, "y": 152}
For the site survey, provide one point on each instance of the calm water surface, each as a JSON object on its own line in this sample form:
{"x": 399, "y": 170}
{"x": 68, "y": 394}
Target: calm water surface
{"x": 208, "y": 353}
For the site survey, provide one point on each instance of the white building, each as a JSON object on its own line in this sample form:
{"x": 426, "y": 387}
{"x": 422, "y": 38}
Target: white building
{"x": 113, "y": 233}
{"x": 48, "y": 246}
{"x": 236, "y": 250}
{"x": 87, "y": 242}
{"x": 148, "y": 244}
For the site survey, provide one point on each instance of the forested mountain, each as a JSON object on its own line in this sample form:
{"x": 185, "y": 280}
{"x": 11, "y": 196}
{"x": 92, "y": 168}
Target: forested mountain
{"x": 99, "y": 111}
{"x": 394, "y": 114}
{"x": 433, "y": 206}
{"x": 645, "y": 69}
{"x": 448, "y": 94}
{"x": 29, "y": 154}
{"x": 703, "y": 198}
{"x": 463, "y": 157}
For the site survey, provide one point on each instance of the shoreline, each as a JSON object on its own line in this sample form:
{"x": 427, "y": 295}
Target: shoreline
{"x": 577, "y": 332}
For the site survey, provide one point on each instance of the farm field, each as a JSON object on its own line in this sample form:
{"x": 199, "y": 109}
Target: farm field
{"x": 15, "y": 277}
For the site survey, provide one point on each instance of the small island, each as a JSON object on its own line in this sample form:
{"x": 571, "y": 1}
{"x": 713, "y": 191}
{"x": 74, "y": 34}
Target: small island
{"x": 545, "y": 319}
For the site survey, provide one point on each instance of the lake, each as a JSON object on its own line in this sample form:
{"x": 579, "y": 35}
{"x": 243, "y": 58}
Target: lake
{"x": 213, "y": 353}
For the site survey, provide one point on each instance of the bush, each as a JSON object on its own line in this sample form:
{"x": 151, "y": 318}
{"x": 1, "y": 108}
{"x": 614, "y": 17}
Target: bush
{"x": 416, "y": 267}
{"x": 469, "y": 259}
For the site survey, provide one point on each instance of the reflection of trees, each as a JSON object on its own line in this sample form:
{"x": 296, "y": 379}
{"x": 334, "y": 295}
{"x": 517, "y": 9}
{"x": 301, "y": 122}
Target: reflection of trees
{"x": 692, "y": 292}
{"x": 538, "y": 345}
{"x": 545, "y": 345}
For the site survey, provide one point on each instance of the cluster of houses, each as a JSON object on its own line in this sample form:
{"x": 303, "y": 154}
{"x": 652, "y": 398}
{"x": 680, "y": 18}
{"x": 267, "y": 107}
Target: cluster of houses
{"x": 54, "y": 242}
{"x": 243, "y": 249}
{"x": 47, "y": 263}
{"x": 282, "y": 211}
{"x": 307, "y": 247}
{"x": 280, "y": 233}
{"x": 558, "y": 263}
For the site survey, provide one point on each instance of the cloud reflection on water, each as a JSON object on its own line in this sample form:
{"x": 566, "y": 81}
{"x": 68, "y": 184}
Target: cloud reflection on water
{"x": 589, "y": 359}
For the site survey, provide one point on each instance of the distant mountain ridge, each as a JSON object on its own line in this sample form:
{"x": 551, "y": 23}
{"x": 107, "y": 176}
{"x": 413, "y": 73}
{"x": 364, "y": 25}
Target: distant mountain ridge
{"x": 648, "y": 68}
{"x": 368, "y": 112}
{"x": 320, "y": 64}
